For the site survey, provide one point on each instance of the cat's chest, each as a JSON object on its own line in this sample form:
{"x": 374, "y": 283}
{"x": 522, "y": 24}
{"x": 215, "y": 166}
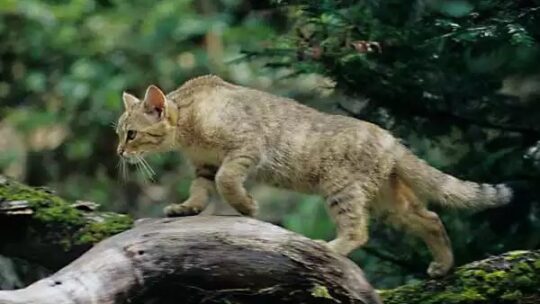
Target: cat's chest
{"x": 203, "y": 156}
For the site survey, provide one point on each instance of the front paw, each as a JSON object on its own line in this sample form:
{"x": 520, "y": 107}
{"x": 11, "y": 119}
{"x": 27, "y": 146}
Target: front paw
{"x": 175, "y": 210}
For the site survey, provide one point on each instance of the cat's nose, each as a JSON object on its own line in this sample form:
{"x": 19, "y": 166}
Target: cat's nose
{"x": 120, "y": 151}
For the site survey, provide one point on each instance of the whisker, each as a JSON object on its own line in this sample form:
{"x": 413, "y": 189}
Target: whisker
{"x": 119, "y": 169}
{"x": 141, "y": 172}
{"x": 146, "y": 172}
{"x": 145, "y": 165}
{"x": 122, "y": 170}
{"x": 150, "y": 170}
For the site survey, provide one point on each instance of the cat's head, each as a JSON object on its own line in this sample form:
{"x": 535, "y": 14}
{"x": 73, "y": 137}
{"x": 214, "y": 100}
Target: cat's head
{"x": 146, "y": 125}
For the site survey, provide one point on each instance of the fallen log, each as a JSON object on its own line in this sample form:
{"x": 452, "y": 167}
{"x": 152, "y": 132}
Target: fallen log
{"x": 203, "y": 259}
{"x": 41, "y": 227}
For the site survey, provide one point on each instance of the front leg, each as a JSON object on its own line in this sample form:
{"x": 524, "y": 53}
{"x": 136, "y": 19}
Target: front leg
{"x": 199, "y": 193}
{"x": 230, "y": 181}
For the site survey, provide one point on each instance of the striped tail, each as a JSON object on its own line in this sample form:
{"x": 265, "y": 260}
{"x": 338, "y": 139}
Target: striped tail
{"x": 433, "y": 185}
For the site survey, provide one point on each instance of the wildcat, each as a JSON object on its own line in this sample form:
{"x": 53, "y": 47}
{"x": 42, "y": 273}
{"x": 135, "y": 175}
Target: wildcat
{"x": 230, "y": 133}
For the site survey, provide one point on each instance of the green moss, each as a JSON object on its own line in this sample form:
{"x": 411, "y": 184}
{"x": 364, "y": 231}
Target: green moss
{"x": 319, "y": 291}
{"x": 522, "y": 267}
{"x": 512, "y": 296}
{"x": 484, "y": 282}
{"x": 524, "y": 281}
{"x": 66, "y": 225}
{"x": 47, "y": 207}
{"x": 495, "y": 277}
{"x": 112, "y": 224}
{"x": 411, "y": 289}
{"x": 516, "y": 254}
{"x": 468, "y": 295}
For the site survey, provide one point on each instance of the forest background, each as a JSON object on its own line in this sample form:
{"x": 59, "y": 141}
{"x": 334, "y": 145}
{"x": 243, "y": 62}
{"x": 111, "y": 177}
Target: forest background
{"x": 458, "y": 81}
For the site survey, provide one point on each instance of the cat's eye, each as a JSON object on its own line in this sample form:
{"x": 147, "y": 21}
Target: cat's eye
{"x": 131, "y": 134}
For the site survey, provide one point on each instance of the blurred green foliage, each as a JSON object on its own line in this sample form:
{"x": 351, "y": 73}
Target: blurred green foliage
{"x": 457, "y": 80}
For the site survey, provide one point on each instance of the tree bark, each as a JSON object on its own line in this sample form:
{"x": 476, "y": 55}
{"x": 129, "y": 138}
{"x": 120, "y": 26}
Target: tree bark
{"x": 203, "y": 259}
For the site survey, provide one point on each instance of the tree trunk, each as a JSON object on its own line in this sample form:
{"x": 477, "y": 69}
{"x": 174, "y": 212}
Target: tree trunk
{"x": 203, "y": 259}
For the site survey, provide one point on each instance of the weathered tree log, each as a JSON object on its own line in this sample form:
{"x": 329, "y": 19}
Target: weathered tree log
{"x": 510, "y": 278}
{"x": 203, "y": 259}
{"x": 41, "y": 227}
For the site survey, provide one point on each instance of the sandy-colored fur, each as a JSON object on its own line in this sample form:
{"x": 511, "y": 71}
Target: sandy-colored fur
{"x": 231, "y": 133}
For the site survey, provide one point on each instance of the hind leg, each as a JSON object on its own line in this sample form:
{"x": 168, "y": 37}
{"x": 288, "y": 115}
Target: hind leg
{"x": 427, "y": 225}
{"x": 434, "y": 235}
{"x": 411, "y": 214}
{"x": 348, "y": 209}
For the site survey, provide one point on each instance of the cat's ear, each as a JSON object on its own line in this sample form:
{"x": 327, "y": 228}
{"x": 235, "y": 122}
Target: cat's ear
{"x": 154, "y": 100}
{"x": 129, "y": 100}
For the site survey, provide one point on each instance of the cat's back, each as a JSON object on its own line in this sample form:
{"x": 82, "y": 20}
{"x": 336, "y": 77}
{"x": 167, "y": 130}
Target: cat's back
{"x": 219, "y": 102}
{"x": 199, "y": 89}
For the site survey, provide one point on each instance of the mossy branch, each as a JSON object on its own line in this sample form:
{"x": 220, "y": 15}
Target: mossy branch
{"x": 39, "y": 226}
{"x": 510, "y": 278}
